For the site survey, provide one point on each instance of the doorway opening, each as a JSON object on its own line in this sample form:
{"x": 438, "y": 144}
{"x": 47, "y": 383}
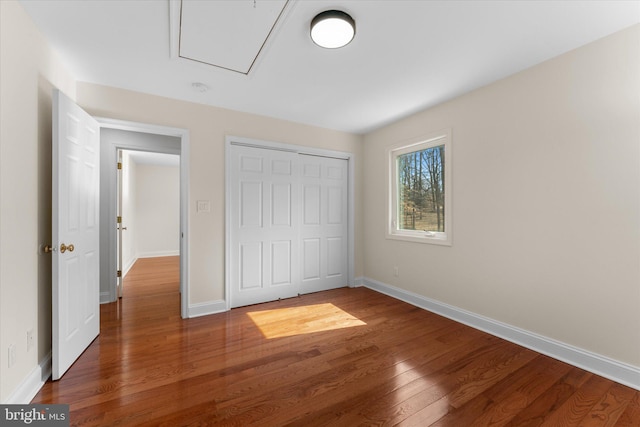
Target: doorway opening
{"x": 148, "y": 210}
{"x": 120, "y": 140}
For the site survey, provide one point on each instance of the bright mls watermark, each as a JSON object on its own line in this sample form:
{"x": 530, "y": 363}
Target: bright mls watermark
{"x": 34, "y": 415}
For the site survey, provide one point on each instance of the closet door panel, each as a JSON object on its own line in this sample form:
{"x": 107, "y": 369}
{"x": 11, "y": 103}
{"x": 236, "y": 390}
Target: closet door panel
{"x": 264, "y": 241}
{"x": 324, "y": 226}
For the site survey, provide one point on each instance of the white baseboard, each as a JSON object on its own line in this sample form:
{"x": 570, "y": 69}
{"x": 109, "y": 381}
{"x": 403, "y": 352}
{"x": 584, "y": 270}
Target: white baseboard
{"x": 128, "y": 266}
{"x": 205, "y": 308}
{"x": 32, "y": 384}
{"x": 592, "y": 362}
{"x": 105, "y": 297}
{"x": 358, "y": 282}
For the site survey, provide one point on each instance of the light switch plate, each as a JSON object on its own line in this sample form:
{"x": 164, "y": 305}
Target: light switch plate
{"x": 203, "y": 206}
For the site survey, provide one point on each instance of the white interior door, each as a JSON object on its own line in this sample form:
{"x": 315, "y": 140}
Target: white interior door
{"x": 323, "y": 223}
{"x": 75, "y": 223}
{"x": 119, "y": 227}
{"x": 264, "y": 238}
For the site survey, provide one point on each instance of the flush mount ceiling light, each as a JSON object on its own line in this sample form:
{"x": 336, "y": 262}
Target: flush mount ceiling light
{"x": 332, "y": 29}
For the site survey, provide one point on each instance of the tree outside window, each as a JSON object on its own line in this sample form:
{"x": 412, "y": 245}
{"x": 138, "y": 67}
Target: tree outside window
{"x": 420, "y": 190}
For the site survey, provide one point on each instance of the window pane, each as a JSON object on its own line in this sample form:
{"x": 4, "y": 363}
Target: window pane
{"x": 421, "y": 190}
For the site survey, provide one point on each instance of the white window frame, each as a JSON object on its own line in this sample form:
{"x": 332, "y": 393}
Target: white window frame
{"x": 442, "y": 137}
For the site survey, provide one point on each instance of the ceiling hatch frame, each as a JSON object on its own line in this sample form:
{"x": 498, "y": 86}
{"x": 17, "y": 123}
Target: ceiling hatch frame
{"x": 176, "y": 30}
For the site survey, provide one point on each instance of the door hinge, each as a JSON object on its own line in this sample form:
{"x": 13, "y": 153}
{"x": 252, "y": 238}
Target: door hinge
{"x": 119, "y": 220}
{"x": 119, "y": 273}
{"x": 119, "y": 165}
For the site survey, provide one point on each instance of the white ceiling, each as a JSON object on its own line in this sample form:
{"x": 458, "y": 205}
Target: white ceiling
{"x": 244, "y": 29}
{"x": 406, "y": 55}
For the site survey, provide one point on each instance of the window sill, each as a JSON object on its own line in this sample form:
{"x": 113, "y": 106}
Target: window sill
{"x": 419, "y": 237}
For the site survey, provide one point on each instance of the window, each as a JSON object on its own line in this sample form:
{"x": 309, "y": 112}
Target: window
{"x": 420, "y": 190}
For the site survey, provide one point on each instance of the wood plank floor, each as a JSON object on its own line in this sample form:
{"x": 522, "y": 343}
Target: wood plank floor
{"x": 347, "y": 357}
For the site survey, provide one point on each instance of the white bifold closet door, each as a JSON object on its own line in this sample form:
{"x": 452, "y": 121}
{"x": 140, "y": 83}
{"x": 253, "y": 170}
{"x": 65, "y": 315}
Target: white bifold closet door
{"x": 288, "y": 224}
{"x": 264, "y": 237}
{"x": 323, "y": 223}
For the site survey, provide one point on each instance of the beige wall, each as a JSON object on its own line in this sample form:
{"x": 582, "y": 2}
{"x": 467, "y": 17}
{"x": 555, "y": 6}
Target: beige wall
{"x": 546, "y": 201}
{"x": 28, "y": 71}
{"x": 157, "y": 212}
{"x": 207, "y": 128}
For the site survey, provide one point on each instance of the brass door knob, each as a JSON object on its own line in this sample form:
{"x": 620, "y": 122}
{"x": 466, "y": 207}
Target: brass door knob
{"x": 64, "y": 248}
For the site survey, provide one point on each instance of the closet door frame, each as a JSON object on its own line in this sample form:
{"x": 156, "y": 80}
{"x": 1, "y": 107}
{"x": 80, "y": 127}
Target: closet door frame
{"x": 229, "y": 187}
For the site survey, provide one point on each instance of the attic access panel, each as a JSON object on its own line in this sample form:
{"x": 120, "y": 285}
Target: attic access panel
{"x": 227, "y": 34}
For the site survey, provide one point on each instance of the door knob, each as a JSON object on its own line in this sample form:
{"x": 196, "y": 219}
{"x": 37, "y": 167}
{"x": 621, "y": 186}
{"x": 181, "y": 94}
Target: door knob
{"x": 64, "y": 248}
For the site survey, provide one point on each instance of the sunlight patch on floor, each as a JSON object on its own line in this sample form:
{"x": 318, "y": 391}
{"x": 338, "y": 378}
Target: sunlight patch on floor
{"x": 286, "y": 322}
{"x": 434, "y": 394}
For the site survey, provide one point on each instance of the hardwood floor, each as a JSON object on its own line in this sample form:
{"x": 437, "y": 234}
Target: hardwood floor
{"x": 347, "y": 357}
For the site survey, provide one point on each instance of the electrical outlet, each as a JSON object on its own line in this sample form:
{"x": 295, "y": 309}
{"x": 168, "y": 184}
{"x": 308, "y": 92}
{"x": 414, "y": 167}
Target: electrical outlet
{"x": 396, "y": 271}
{"x": 12, "y": 355}
{"x": 30, "y": 339}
